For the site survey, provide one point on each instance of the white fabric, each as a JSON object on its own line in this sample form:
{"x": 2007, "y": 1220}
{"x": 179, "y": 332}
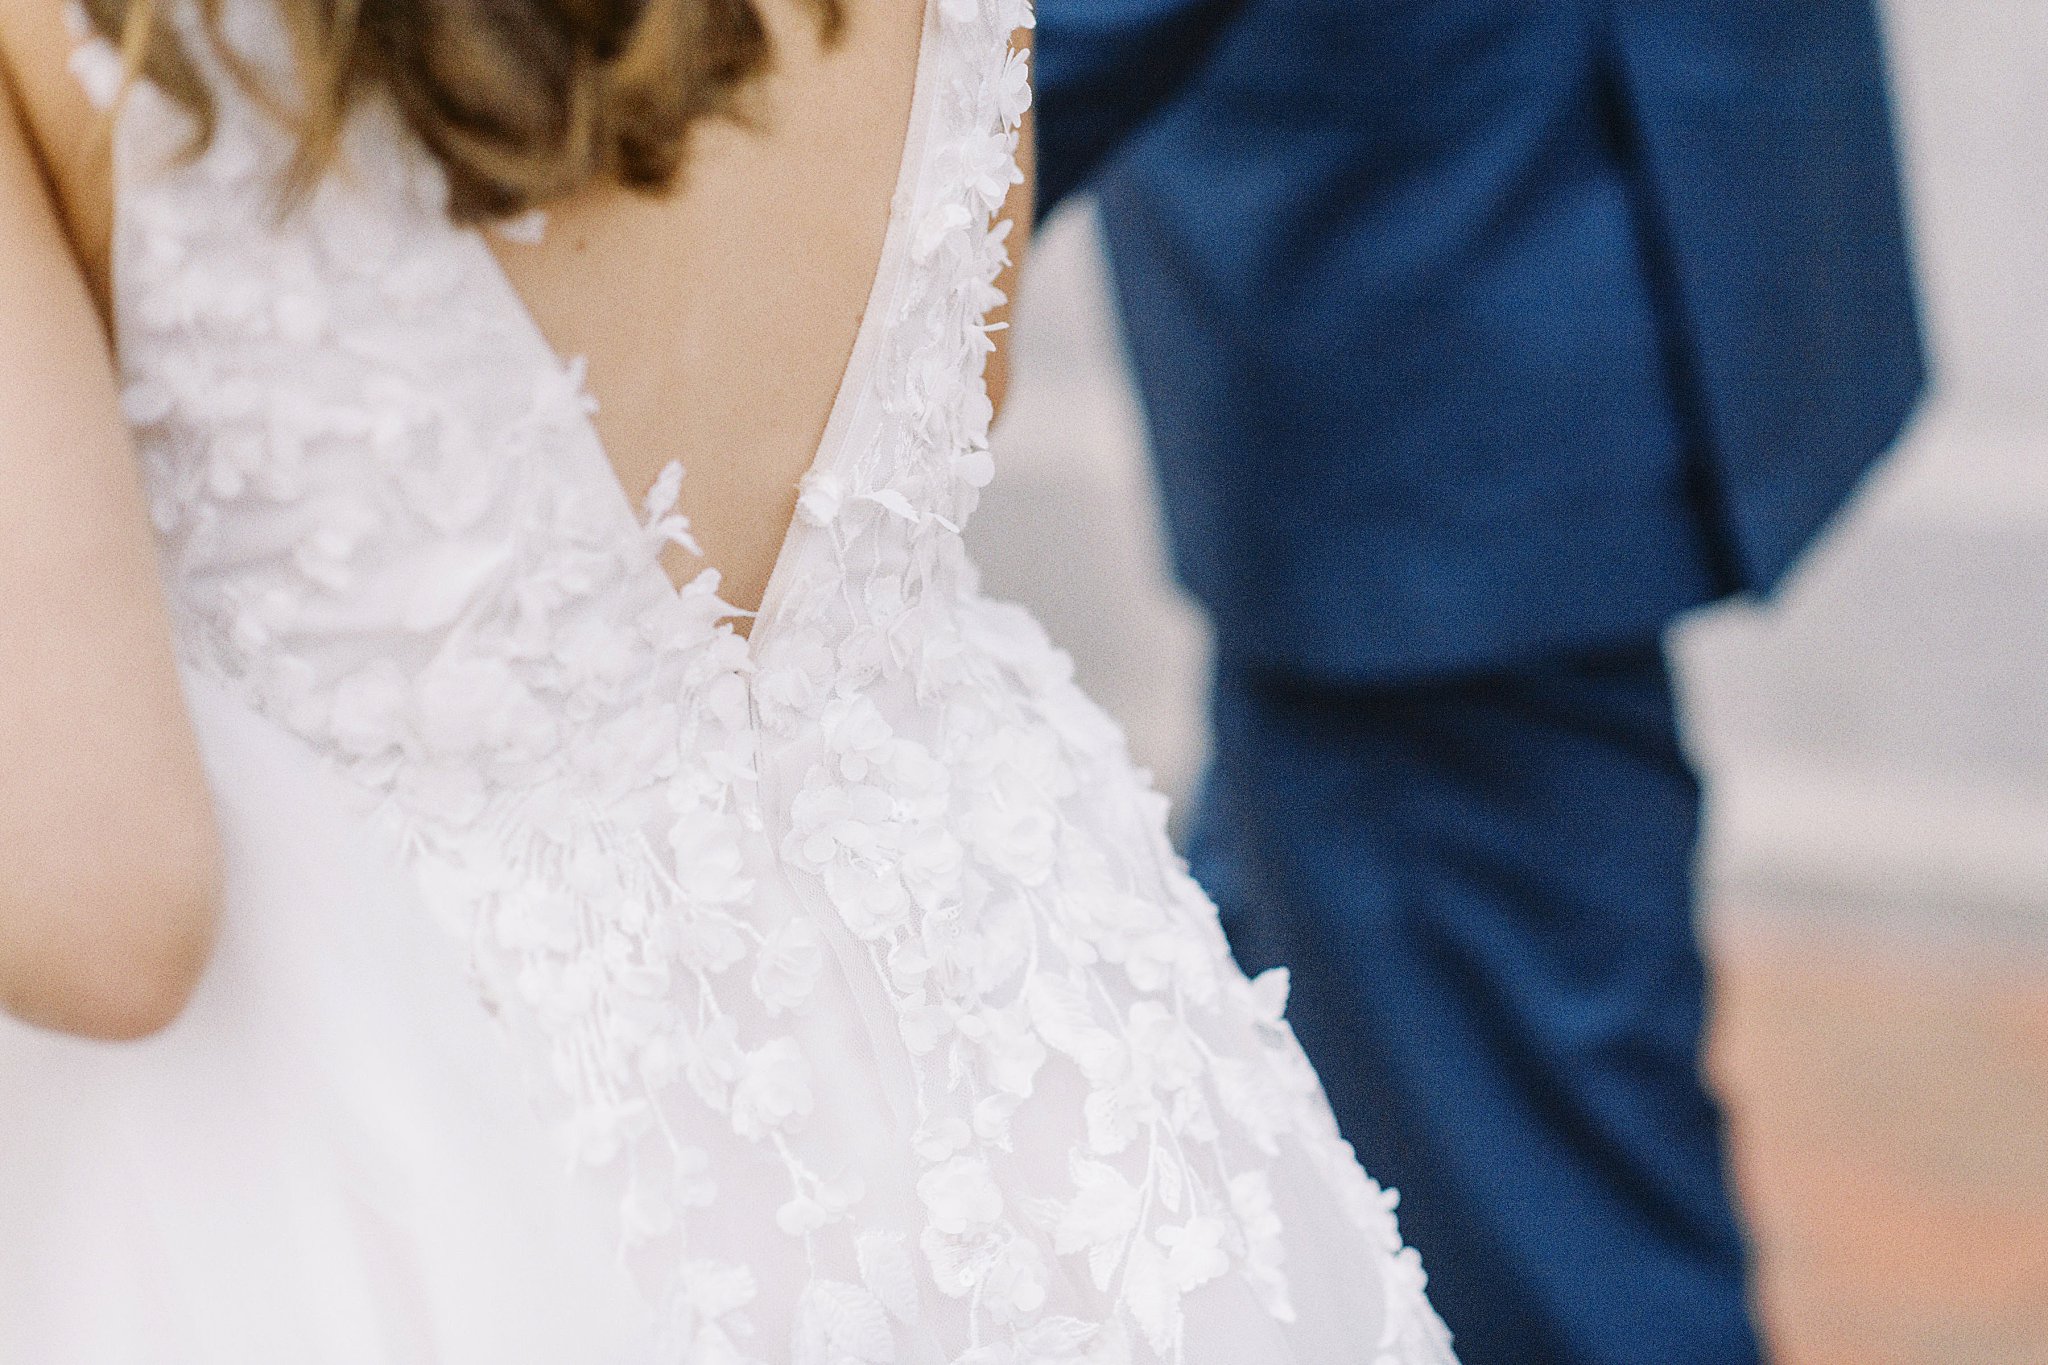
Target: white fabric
{"x": 830, "y": 998}
{"x": 327, "y": 1159}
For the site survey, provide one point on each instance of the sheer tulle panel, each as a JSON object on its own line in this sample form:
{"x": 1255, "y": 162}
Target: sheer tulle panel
{"x": 328, "y": 1159}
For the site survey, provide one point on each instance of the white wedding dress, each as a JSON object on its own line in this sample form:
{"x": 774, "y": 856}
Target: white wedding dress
{"x": 599, "y": 985}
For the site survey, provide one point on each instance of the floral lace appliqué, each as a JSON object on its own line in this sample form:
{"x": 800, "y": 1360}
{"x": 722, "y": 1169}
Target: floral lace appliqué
{"x": 851, "y": 965}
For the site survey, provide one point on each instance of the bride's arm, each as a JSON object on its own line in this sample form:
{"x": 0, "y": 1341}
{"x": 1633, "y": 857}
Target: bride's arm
{"x": 108, "y": 858}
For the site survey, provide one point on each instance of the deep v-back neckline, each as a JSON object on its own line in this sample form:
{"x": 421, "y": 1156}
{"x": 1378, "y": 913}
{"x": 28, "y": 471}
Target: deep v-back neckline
{"x": 594, "y": 456}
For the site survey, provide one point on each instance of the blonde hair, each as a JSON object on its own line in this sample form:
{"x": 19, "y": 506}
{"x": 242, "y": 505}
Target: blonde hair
{"x": 522, "y": 101}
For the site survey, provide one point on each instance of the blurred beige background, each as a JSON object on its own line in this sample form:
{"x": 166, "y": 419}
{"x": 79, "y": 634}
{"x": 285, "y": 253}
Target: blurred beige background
{"x": 1875, "y": 741}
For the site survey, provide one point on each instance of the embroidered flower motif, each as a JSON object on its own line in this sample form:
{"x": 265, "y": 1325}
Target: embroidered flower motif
{"x": 1104, "y": 1209}
{"x": 1015, "y": 838}
{"x": 1251, "y": 1200}
{"x": 960, "y": 1196}
{"x": 786, "y": 968}
{"x": 774, "y": 1090}
{"x": 1012, "y": 1050}
{"x": 710, "y": 865}
{"x": 709, "y": 942}
{"x": 1014, "y": 1286}
{"x": 1194, "y": 1253}
{"x": 820, "y": 496}
{"x": 854, "y": 729}
{"x": 796, "y": 671}
{"x": 1011, "y": 95}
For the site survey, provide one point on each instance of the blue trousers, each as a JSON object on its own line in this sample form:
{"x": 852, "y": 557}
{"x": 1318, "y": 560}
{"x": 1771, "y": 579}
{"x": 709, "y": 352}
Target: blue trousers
{"x": 1483, "y": 888}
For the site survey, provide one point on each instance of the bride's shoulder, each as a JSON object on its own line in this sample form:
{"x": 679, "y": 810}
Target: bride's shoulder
{"x": 48, "y": 68}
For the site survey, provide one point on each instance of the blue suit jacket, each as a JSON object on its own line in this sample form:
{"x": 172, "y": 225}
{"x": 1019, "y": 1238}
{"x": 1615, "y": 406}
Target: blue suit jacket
{"x": 1472, "y": 330}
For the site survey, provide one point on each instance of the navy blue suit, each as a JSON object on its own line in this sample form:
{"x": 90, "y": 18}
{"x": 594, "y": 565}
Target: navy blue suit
{"x": 1478, "y": 339}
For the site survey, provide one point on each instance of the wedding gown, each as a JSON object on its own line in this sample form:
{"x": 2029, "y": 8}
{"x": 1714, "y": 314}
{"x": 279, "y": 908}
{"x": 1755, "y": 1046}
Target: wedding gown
{"x": 601, "y": 985}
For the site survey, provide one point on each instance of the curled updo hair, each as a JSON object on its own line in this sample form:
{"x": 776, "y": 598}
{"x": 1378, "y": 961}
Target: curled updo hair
{"x": 522, "y": 101}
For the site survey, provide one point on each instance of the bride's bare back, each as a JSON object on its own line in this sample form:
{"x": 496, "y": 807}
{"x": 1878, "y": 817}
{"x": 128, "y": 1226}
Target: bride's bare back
{"x": 716, "y": 320}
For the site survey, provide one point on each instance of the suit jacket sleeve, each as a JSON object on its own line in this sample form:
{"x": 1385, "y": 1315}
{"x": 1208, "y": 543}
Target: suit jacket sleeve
{"x": 1103, "y": 67}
